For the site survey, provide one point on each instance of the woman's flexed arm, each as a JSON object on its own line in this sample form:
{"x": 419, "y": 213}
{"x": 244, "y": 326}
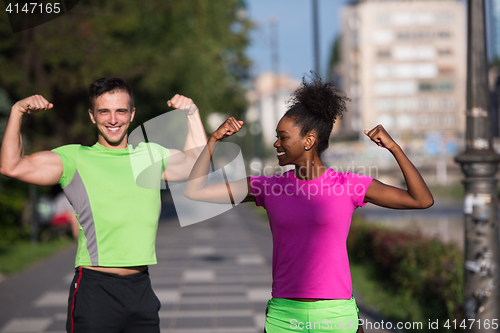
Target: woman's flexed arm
{"x": 417, "y": 196}
{"x": 197, "y": 188}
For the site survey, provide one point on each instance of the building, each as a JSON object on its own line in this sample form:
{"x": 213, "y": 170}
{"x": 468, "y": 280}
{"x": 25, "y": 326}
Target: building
{"x": 404, "y": 66}
{"x": 267, "y": 103}
{"x": 494, "y": 25}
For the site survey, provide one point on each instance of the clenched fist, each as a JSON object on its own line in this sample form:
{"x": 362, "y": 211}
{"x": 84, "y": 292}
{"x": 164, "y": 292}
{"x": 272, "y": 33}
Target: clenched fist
{"x": 228, "y": 128}
{"x": 380, "y": 136}
{"x": 32, "y": 104}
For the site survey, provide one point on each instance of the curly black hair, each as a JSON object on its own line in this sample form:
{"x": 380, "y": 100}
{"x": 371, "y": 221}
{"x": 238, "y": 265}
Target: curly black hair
{"x": 315, "y": 106}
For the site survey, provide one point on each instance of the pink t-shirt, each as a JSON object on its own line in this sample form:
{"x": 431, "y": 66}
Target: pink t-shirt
{"x": 310, "y": 222}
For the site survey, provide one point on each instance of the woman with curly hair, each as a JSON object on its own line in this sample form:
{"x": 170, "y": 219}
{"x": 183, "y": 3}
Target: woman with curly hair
{"x": 310, "y": 210}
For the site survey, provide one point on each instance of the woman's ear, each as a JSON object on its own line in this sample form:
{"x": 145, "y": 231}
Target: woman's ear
{"x": 310, "y": 140}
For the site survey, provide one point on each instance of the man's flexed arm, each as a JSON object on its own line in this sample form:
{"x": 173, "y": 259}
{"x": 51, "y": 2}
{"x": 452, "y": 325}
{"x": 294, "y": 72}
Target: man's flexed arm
{"x": 42, "y": 168}
{"x": 181, "y": 164}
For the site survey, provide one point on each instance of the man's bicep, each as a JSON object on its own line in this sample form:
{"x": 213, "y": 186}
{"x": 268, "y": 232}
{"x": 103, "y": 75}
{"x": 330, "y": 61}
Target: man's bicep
{"x": 178, "y": 167}
{"x": 43, "y": 168}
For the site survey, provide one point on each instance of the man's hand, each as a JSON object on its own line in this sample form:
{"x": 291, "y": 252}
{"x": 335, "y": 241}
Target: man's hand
{"x": 228, "y": 128}
{"x": 32, "y": 104}
{"x": 380, "y": 136}
{"x": 183, "y": 104}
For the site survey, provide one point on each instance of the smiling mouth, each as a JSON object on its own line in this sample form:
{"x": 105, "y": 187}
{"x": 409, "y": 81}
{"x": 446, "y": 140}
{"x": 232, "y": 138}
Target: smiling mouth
{"x": 114, "y": 129}
{"x": 280, "y": 153}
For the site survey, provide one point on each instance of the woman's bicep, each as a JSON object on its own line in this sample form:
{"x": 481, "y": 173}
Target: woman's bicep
{"x": 250, "y": 197}
{"x": 388, "y": 196}
{"x": 225, "y": 193}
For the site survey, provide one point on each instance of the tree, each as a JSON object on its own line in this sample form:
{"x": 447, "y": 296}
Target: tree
{"x": 335, "y": 58}
{"x": 194, "y": 47}
{"x": 162, "y": 47}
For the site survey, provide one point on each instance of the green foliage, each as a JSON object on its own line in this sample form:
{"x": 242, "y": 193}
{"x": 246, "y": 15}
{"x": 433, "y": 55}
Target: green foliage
{"x": 429, "y": 271}
{"x": 453, "y": 191}
{"x": 335, "y": 56}
{"x": 195, "y": 48}
{"x": 15, "y": 256}
{"x": 13, "y": 198}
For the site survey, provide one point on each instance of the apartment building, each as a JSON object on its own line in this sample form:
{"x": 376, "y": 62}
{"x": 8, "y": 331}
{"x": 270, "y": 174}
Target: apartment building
{"x": 404, "y": 66}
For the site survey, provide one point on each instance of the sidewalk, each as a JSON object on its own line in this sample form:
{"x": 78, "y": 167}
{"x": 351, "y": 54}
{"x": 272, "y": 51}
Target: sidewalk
{"x": 213, "y": 276}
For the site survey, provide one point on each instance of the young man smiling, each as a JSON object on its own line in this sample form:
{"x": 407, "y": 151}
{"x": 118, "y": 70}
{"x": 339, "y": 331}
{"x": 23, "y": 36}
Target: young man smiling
{"x": 118, "y": 220}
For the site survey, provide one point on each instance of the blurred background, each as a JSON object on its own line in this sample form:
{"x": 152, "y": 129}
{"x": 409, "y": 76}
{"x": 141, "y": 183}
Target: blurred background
{"x": 402, "y": 64}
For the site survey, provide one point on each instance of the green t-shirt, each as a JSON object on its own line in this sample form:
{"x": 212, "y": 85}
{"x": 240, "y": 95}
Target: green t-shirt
{"x": 118, "y": 218}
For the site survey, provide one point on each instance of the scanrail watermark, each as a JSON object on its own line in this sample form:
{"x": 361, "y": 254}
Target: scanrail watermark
{"x": 331, "y": 324}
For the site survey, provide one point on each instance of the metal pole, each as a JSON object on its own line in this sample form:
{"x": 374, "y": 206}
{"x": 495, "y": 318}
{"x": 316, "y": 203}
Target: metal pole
{"x": 316, "y": 36}
{"x": 34, "y": 214}
{"x": 273, "y": 23}
{"x": 479, "y": 164}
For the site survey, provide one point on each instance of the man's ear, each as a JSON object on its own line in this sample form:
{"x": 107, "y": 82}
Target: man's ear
{"x": 132, "y": 115}
{"x": 91, "y": 114}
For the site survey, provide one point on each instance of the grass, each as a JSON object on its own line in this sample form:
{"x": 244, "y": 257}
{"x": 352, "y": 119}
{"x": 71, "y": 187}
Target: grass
{"x": 453, "y": 191}
{"x": 15, "y": 256}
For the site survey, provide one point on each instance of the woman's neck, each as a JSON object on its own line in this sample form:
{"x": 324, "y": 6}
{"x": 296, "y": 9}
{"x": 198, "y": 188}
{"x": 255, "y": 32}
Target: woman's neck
{"x": 310, "y": 169}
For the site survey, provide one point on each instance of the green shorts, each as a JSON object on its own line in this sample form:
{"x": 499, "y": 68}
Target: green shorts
{"x": 336, "y": 315}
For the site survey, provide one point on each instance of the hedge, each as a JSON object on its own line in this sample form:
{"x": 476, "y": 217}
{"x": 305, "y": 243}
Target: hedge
{"x": 430, "y": 270}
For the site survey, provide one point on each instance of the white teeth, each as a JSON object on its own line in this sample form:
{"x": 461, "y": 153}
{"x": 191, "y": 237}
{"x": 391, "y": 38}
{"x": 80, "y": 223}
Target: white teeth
{"x": 282, "y": 153}
{"x": 113, "y": 129}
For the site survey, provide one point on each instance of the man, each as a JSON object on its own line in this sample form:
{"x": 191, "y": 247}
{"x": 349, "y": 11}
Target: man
{"x": 111, "y": 290}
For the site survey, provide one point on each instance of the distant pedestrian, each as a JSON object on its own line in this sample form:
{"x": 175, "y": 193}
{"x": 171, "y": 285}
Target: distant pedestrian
{"x": 63, "y": 214}
{"x": 310, "y": 210}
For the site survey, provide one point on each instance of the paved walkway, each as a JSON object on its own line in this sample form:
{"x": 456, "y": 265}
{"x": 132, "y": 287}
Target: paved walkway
{"x": 214, "y": 276}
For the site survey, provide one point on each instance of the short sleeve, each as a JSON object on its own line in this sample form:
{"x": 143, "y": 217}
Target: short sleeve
{"x": 164, "y": 154}
{"x": 359, "y": 185}
{"x": 69, "y": 157}
{"x": 259, "y": 185}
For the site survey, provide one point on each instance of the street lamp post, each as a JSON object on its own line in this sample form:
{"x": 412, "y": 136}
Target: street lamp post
{"x": 316, "y": 36}
{"x": 479, "y": 164}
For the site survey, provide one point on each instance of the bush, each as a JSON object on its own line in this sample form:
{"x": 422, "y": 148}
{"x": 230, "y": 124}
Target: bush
{"x": 13, "y": 198}
{"x": 432, "y": 272}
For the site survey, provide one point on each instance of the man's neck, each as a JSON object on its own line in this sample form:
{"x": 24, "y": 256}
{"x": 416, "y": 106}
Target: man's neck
{"x": 103, "y": 142}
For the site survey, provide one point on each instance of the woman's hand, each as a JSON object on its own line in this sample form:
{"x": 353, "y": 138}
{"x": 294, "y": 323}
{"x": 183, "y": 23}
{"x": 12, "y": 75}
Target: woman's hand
{"x": 380, "y": 136}
{"x": 228, "y": 128}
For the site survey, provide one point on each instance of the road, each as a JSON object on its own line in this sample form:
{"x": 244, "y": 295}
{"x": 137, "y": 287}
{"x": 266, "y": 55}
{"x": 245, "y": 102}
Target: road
{"x": 214, "y": 276}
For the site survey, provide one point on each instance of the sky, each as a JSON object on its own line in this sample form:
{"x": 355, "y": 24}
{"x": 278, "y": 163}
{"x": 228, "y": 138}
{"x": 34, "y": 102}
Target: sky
{"x": 295, "y": 34}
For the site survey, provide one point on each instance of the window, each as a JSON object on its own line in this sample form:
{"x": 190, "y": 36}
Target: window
{"x": 382, "y": 71}
{"x": 444, "y": 35}
{"x": 395, "y": 88}
{"x": 445, "y": 52}
{"x": 382, "y": 54}
{"x": 446, "y": 86}
{"x": 402, "y": 19}
{"x": 383, "y": 19}
{"x": 426, "y": 70}
{"x": 444, "y": 17}
{"x": 382, "y": 37}
{"x": 425, "y": 87}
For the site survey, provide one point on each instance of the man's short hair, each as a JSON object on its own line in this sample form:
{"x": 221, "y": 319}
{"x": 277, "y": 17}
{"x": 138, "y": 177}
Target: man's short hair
{"x": 106, "y": 84}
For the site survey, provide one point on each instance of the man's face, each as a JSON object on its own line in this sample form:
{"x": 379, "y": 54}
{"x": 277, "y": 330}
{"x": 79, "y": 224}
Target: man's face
{"x": 112, "y": 114}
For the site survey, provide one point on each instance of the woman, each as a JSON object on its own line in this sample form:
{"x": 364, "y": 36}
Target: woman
{"x": 310, "y": 210}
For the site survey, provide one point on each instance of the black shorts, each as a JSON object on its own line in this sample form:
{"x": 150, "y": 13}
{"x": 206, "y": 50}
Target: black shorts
{"x": 107, "y": 303}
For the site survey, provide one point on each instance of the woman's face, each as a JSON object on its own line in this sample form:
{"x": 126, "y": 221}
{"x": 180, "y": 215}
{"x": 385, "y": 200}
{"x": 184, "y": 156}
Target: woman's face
{"x": 289, "y": 143}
